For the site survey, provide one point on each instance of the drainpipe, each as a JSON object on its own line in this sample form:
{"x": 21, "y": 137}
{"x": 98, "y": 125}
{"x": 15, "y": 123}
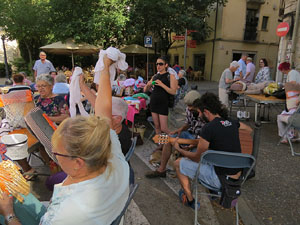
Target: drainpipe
{"x": 214, "y": 40}
{"x": 295, "y": 35}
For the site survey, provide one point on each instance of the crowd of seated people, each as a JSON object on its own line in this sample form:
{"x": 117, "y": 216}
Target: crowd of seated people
{"x": 90, "y": 170}
{"x": 89, "y": 152}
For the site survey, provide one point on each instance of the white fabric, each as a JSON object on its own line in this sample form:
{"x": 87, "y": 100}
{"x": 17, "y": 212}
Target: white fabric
{"x": 293, "y": 75}
{"x": 96, "y": 201}
{"x": 5, "y": 127}
{"x": 172, "y": 71}
{"x": 282, "y": 123}
{"x": 223, "y": 97}
{"x": 75, "y": 95}
{"x": 115, "y": 55}
{"x": 15, "y": 150}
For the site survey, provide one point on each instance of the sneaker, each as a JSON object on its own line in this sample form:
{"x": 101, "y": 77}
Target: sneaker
{"x": 155, "y": 174}
{"x": 183, "y": 198}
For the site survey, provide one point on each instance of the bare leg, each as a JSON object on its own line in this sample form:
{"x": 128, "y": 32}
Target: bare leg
{"x": 24, "y": 165}
{"x": 166, "y": 153}
{"x": 184, "y": 181}
{"x": 155, "y": 118}
{"x": 163, "y": 120}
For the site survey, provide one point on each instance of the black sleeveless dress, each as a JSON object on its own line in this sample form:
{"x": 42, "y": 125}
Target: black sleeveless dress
{"x": 159, "y": 98}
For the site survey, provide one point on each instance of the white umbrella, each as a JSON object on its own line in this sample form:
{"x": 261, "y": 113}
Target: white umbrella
{"x": 70, "y": 47}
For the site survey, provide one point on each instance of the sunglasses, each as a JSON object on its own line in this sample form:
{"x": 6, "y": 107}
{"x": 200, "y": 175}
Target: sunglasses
{"x": 68, "y": 156}
{"x": 161, "y": 64}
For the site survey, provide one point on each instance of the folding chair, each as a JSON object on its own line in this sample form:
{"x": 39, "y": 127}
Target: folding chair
{"x": 133, "y": 189}
{"x": 293, "y": 123}
{"x": 226, "y": 160}
{"x": 131, "y": 150}
{"x": 150, "y": 121}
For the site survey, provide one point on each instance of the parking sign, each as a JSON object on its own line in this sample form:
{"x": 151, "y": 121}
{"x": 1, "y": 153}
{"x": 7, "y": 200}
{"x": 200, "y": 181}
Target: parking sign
{"x": 148, "y": 41}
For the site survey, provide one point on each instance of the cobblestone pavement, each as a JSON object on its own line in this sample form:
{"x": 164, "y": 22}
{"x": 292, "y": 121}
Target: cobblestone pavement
{"x": 271, "y": 197}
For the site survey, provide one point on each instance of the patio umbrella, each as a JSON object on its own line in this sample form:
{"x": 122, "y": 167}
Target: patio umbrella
{"x": 135, "y": 49}
{"x": 70, "y": 47}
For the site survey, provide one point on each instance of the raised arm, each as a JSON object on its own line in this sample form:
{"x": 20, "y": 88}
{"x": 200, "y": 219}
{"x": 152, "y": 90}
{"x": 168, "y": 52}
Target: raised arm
{"x": 90, "y": 96}
{"x": 104, "y": 98}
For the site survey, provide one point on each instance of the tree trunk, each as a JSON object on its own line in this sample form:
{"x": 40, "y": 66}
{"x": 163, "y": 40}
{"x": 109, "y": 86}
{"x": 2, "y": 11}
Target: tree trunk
{"x": 29, "y": 53}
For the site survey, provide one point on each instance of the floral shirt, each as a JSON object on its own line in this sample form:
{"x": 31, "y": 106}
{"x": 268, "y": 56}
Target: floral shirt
{"x": 263, "y": 75}
{"x": 53, "y": 106}
{"x": 195, "y": 124}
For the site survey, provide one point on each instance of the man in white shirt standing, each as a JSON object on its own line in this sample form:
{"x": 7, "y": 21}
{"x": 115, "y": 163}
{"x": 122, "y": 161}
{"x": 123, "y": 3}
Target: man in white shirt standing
{"x": 250, "y": 70}
{"x": 241, "y": 71}
{"x": 42, "y": 66}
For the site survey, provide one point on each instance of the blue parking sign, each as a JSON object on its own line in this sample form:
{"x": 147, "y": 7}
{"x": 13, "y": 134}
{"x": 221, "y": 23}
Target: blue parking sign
{"x": 148, "y": 41}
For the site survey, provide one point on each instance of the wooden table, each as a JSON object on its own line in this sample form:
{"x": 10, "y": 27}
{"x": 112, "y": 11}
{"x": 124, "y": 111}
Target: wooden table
{"x": 262, "y": 99}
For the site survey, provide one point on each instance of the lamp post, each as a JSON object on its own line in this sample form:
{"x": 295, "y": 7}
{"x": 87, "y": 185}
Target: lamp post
{"x": 5, "y": 58}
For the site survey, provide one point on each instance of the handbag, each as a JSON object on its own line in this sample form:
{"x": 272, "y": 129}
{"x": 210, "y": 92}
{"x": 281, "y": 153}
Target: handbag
{"x": 279, "y": 94}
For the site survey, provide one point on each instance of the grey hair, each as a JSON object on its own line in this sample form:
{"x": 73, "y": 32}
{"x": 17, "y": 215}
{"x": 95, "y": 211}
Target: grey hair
{"x": 190, "y": 97}
{"x": 45, "y": 77}
{"x": 60, "y": 78}
{"x": 182, "y": 72}
{"x": 119, "y": 107}
{"x": 234, "y": 64}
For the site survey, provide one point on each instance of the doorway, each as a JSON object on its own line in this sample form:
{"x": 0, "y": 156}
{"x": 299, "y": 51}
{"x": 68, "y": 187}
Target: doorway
{"x": 199, "y": 62}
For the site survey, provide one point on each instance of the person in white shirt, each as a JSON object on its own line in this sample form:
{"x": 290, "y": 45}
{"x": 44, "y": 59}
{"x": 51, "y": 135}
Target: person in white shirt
{"x": 292, "y": 75}
{"x": 89, "y": 152}
{"x": 42, "y": 66}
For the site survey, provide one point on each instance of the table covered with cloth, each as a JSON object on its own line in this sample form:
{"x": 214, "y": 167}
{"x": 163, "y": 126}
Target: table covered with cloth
{"x": 134, "y": 107}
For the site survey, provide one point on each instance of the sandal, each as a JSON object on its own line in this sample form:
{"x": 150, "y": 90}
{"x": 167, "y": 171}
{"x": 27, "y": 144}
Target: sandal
{"x": 183, "y": 198}
{"x": 30, "y": 175}
{"x": 284, "y": 141}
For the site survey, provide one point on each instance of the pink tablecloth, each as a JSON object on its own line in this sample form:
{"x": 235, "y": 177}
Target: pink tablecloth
{"x": 132, "y": 110}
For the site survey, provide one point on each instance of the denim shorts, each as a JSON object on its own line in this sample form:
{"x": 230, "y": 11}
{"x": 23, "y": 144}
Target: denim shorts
{"x": 207, "y": 172}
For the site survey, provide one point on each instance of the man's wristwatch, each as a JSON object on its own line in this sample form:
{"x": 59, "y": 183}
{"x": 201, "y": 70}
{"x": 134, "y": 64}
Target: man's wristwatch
{"x": 10, "y": 218}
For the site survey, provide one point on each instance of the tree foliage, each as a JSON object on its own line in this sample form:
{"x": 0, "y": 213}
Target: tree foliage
{"x": 37, "y": 22}
{"x": 26, "y": 21}
{"x": 92, "y": 21}
{"x": 162, "y": 17}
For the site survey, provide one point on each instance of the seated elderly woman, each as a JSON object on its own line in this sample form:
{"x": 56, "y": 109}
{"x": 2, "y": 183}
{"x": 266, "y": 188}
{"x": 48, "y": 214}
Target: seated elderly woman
{"x": 97, "y": 186}
{"x": 61, "y": 87}
{"x": 53, "y": 105}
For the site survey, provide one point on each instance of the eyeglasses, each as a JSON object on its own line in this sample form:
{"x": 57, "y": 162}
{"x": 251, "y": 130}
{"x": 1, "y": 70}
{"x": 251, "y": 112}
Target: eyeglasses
{"x": 68, "y": 156}
{"x": 161, "y": 64}
{"x": 42, "y": 86}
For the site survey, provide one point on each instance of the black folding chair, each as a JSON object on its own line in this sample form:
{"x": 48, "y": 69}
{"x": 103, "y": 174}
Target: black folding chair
{"x": 226, "y": 160}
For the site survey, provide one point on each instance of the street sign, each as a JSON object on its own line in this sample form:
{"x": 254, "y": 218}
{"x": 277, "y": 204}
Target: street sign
{"x": 191, "y": 31}
{"x": 178, "y": 38}
{"x": 148, "y": 41}
{"x": 282, "y": 29}
{"x": 191, "y": 43}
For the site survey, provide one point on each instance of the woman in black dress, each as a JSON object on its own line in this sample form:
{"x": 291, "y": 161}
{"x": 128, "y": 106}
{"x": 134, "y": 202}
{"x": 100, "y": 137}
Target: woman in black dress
{"x": 165, "y": 85}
